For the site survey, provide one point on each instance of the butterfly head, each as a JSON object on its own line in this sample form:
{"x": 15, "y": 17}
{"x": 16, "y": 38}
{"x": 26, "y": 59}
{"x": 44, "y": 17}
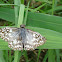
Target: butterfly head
{"x": 22, "y": 26}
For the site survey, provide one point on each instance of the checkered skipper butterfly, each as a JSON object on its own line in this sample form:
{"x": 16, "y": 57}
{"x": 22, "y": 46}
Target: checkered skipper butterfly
{"x": 21, "y": 38}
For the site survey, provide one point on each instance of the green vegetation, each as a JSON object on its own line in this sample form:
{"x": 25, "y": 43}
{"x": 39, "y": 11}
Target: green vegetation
{"x": 43, "y": 16}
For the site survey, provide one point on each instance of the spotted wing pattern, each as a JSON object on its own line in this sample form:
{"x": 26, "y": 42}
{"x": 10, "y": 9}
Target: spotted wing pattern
{"x": 31, "y": 42}
{"x": 11, "y": 35}
{"x": 34, "y": 39}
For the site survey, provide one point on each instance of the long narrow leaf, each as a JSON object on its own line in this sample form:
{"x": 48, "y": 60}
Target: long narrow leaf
{"x": 45, "y": 21}
{"x": 16, "y": 56}
{"x": 39, "y": 51}
{"x": 51, "y": 55}
{"x": 53, "y": 38}
{"x": 10, "y": 58}
{"x": 16, "y": 9}
{"x": 7, "y": 14}
{"x": 58, "y": 55}
{"x": 46, "y": 56}
{"x": 25, "y": 55}
{"x": 1, "y": 56}
{"x": 25, "y": 19}
{"x": 21, "y": 15}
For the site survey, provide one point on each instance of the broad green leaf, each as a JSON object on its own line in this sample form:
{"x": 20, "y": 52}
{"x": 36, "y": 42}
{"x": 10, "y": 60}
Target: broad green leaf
{"x": 36, "y": 19}
{"x": 4, "y": 45}
{"x": 45, "y": 21}
{"x": 53, "y": 39}
{"x": 44, "y": 24}
{"x": 7, "y": 14}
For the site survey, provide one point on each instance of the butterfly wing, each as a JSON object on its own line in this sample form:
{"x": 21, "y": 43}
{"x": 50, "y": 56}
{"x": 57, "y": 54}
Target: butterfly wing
{"x": 33, "y": 40}
{"x": 11, "y": 35}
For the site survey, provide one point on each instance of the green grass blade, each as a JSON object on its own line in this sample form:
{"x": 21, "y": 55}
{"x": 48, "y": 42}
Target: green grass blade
{"x": 53, "y": 1}
{"x": 18, "y": 2}
{"x": 46, "y": 56}
{"x": 10, "y": 56}
{"x": 7, "y": 14}
{"x": 44, "y": 21}
{"x": 22, "y": 1}
{"x": 6, "y": 4}
{"x": 20, "y": 21}
{"x": 39, "y": 7}
{"x": 6, "y": 55}
{"x": 57, "y": 55}
{"x": 55, "y": 9}
{"x": 16, "y": 56}
{"x": 52, "y": 38}
{"x": 25, "y": 55}
{"x": 51, "y": 55}
{"x": 19, "y": 56}
{"x": 1, "y": 56}
{"x": 56, "y": 1}
{"x": 3, "y": 45}
{"x": 25, "y": 19}
{"x": 39, "y": 51}
{"x": 16, "y": 9}
{"x": 21, "y": 15}
{"x": 50, "y": 2}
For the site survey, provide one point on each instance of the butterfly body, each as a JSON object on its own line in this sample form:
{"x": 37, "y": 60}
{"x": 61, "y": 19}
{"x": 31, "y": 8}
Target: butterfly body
{"x": 23, "y": 35}
{"x": 21, "y": 38}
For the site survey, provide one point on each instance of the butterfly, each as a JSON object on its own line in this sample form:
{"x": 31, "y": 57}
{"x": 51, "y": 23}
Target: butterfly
{"x": 21, "y": 38}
